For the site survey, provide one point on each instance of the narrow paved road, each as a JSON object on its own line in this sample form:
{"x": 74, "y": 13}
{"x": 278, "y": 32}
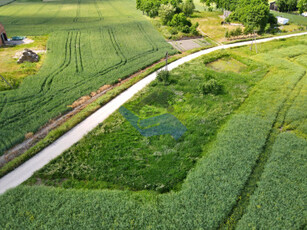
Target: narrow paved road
{"x": 26, "y": 170}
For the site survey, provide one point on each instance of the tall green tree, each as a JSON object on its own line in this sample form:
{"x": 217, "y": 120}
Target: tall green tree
{"x": 188, "y": 7}
{"x": 253, "y": 13}
{"x": 302, "y": 6}
{"x": 287, "y": 5}
{"x": 166, "y": 13}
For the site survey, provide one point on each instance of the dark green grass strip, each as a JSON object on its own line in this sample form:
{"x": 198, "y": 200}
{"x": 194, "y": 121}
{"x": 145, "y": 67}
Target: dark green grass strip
{"x": 252, "y": 183}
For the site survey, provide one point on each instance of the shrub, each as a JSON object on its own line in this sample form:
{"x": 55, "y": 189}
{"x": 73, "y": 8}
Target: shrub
{"x": 248, "y": 30}
{"x": 193, "y": 29}
{"x": 227, "y": 34}
{"x": 211, "y": 87}
{"x": 185, "y": 29}
{"x": 163, "y": 76}
{"x": 238, "y": 31}
{"x": 173, "y": 30}
{"x": 180, "y": 20}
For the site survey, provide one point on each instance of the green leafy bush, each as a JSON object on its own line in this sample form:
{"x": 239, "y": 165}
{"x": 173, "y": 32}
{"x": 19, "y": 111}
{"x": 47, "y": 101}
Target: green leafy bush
{"x": 163, "y": 76}
{"x": 211, "y": 87}
{"x": 180, "y": 20}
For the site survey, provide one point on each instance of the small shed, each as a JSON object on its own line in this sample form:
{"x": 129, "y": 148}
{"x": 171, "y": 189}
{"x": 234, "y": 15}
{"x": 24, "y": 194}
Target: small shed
{"x": 273, "y": 6}
{"x": 3, "y": 36}
{"x": 282, "y": 20}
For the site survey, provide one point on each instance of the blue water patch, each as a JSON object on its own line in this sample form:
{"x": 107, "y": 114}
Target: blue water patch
{"x": 159, "y": 125}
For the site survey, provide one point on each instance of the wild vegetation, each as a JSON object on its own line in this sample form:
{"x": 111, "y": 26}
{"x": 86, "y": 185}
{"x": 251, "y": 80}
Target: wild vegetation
{"x": 91, "y": 44}
{"x": 260, "y": 145}
{"x": 116, "y": 155}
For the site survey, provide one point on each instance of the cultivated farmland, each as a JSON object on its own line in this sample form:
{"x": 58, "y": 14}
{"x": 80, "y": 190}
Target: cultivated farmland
{"x": 91, "y": 44}
{"x": 246, "y": 171}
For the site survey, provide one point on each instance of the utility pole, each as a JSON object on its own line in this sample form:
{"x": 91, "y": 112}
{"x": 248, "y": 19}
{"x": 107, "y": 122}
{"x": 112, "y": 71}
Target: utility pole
{"x": 166, "y": 59}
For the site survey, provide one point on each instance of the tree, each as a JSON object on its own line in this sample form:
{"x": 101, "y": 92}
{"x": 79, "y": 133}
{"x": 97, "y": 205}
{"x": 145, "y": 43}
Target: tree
{"x": 180, "y": 20}
{"x": 302, "y": 6}
{"x": 286, "y": 5}
{"x": 166, "y": 13}
{"x": 188, "y": 7}
{"x": 253, "y": 13}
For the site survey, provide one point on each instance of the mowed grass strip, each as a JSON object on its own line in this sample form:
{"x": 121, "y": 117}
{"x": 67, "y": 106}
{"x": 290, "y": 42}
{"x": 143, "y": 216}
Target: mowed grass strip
{"x": 210, "y": 190}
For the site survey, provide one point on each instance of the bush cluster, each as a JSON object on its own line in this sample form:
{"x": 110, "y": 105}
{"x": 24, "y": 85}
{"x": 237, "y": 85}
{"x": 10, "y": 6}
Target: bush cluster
{"x": 211, "y": 87}
{"x": 172, "y": 13}
{"x": 163, "y": 76}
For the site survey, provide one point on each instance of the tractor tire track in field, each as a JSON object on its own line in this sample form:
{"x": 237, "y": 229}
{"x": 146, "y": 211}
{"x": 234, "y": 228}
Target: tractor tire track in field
{"x": 15, "y": 22}
{"x": 78, "y": 54}
{"x": 46, "y": 84}
{"x": 12, "y": 13}
{"x": 67, "y": 60}
{"x": 72, "y": 36}
{"x": 78, "y": 12}
{"x": 3, "y": 104}
{"x": 98, "y": 11}
{"x": 52, "y": 17}
{"x": 243, "y": 199}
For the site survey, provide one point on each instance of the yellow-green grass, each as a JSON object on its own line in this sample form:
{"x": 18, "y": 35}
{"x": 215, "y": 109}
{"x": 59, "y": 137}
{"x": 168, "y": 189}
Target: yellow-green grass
{"x": 227, "y": 64}
{"x": 14, "y": 73}
{"x": 210, "y": 25}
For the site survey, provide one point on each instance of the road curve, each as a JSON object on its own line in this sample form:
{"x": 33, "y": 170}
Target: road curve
{"x": 26, "y": 170}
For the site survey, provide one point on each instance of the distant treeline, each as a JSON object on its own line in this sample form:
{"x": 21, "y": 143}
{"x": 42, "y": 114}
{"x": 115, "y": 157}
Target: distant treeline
{"x": 172, "y": 13}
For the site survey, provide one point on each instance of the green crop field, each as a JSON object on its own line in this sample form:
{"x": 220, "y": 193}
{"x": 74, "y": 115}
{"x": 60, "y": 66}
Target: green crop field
{"x": 240, "y": 164}
{"x": 92, "y": 43}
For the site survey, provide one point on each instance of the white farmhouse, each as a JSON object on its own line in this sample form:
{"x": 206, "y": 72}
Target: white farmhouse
{"x": 282, "y": 21}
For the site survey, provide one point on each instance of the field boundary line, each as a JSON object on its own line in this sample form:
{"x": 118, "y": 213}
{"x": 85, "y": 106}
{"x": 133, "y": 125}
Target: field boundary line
{"x": 26, "y": 170}
{"x": 8, "y": 3}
